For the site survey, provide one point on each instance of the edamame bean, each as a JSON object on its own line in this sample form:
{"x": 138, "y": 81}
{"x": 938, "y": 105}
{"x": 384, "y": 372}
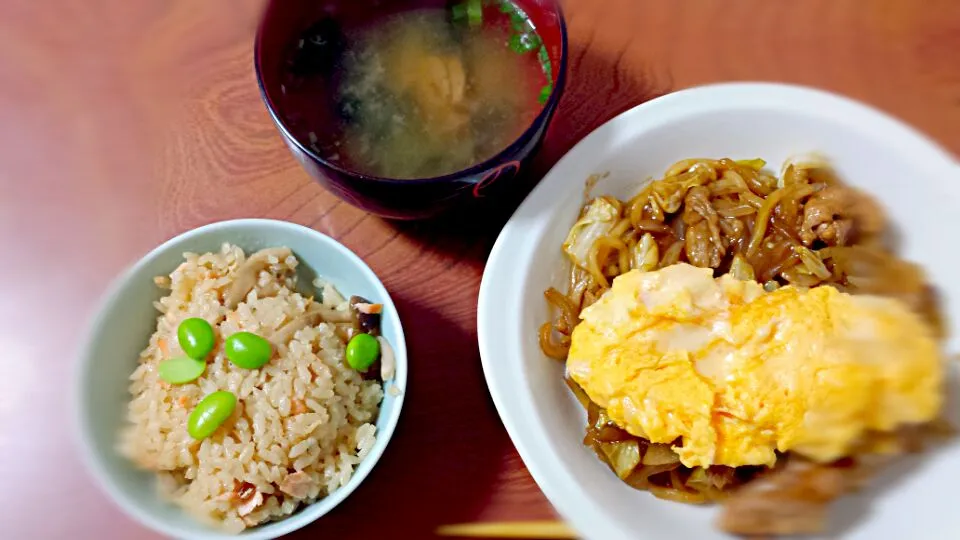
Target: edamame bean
{"x": 195, "y": 336}
{"x": 210, "y": 414}
{"x": 362, "y": 351}
{"x": 247, "y": 350}
{"x": 181, "y": 369}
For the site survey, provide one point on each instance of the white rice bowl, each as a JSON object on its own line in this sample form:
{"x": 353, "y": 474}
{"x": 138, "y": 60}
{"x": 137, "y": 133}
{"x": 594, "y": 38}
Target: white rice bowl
{"x": 303, "y": 421}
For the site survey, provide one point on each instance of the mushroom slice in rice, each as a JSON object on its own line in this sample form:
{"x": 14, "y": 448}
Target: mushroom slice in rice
{"x": 245, "y": 278}
{"x": 314, "y": 315}
{"x": 365, "y": 316}
{"x": 388, "y": 361}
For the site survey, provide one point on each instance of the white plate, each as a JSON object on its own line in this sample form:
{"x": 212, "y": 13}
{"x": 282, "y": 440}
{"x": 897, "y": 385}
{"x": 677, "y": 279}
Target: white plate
{"x": 917, "y": 181}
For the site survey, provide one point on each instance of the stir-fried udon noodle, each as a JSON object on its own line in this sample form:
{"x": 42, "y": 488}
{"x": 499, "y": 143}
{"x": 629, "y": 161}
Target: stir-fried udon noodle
{"x": 803, "y": 228}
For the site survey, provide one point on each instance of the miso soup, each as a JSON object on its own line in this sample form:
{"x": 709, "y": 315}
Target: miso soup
{"x": 420, "y": 93}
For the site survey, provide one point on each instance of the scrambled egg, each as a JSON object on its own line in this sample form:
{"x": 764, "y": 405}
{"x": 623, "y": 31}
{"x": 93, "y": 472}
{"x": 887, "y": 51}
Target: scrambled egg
{"x": 730, "y": 373}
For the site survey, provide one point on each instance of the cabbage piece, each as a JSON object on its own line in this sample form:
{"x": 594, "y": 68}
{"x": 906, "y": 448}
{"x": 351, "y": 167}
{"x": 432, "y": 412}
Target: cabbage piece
{"x": 598, "y": 220}
{"x": 741, "y": 269}
{"x": 645, "y": 255}
{"x": 603, "y": 428}
{"x": 660, "y": 454}
{"x": 812, "y": 262}
{"x": 601, "y": 419}
{"x": 623, "y": 456}
{"x": 755, "y": 164}
{"x": 699, "y": 480}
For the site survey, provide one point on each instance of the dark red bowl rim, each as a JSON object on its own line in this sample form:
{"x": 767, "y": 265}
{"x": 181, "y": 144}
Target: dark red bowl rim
{"x": 545, "y": 112}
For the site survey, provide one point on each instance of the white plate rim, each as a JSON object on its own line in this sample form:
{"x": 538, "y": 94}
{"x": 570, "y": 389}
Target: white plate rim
{"x": 498, "y": 323}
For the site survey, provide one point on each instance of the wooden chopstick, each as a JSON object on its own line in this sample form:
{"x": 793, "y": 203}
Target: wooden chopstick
{"x": 538, "y": 530}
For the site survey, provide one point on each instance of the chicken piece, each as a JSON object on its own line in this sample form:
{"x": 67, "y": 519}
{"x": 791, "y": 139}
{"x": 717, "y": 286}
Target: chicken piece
{"x": 836, "y": 233}
{"x": 875, "y": 271}
{"x": 735, "y": 232}
{"x": 701, "y": 250}
{"x": 297, "y": 484}
{"x": 704, "y": 243}
{"x": 836, "y": 214}
{"x": 697, "y": 206}
{"x": 792, "y": 500}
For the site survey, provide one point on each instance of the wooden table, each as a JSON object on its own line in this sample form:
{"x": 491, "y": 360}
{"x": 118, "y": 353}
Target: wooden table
{"x": 123, "y": 123}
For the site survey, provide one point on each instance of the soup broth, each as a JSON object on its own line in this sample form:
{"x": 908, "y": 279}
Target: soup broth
{"x": 420, "y": 93}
